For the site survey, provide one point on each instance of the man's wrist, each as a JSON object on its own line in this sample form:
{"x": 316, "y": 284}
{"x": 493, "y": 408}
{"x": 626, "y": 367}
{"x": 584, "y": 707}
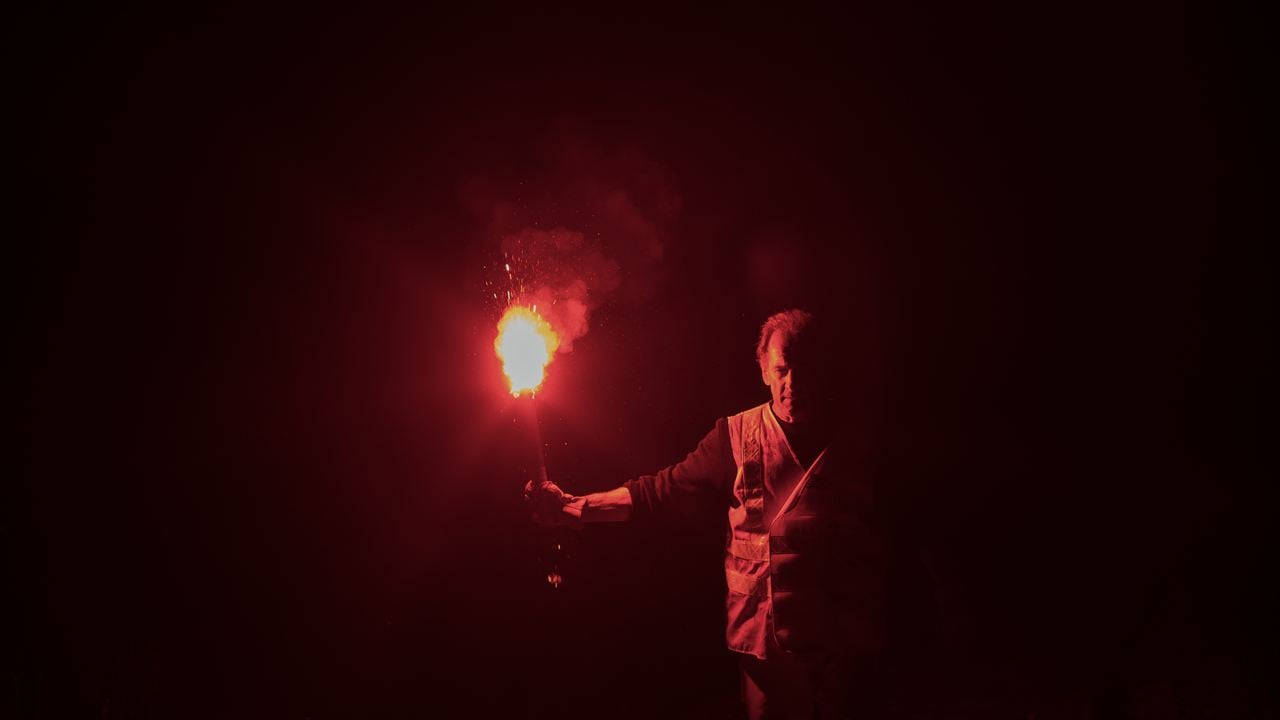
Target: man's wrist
{"x": 611, "y": 506}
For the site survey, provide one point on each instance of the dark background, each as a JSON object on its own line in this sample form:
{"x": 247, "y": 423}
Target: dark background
{"x": 268, "y": 467}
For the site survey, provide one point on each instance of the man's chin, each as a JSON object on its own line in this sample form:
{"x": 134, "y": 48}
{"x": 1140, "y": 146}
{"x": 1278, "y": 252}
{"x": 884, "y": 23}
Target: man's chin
{"x": 804, "y": 412}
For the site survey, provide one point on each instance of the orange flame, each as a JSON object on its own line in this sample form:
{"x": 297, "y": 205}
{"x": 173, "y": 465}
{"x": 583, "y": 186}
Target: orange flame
{"x": 525, "y": 344}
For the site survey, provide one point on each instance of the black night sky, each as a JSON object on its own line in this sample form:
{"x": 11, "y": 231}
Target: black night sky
{"x": 268, "y": 467}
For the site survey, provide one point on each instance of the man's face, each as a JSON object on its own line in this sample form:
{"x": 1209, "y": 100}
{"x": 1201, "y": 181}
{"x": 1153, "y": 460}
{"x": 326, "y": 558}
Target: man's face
{"x": 792, "y": 402}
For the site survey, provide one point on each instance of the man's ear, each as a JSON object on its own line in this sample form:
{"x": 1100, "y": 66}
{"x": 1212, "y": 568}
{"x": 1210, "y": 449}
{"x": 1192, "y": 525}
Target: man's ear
{"x": 764, "y": 376}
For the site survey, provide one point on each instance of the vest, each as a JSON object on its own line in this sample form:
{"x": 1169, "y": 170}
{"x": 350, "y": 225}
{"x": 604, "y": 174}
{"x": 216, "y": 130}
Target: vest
{"x": 812, "y": 577}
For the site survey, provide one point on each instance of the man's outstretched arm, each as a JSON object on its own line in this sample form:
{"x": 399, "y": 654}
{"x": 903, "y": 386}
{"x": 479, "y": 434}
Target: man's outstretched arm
{"x": 708, "y": 470}
{"x": 553, "y": 507}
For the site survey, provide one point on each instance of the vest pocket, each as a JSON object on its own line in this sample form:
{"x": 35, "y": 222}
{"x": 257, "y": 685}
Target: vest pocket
{"x": 744, "y": 584}
{"x": 745, "y": 626}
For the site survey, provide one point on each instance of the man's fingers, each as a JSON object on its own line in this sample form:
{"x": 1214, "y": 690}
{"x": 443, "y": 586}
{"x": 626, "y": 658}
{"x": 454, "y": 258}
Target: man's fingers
{"x": 541, "y": 485}
{"x": 548, "y": 503}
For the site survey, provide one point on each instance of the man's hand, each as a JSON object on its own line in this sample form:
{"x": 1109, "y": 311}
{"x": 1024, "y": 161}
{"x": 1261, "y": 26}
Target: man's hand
{"x": 552, "y": 507}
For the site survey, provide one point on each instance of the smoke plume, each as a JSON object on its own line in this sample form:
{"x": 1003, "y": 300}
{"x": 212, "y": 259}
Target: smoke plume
{"x": 587, "y": 225}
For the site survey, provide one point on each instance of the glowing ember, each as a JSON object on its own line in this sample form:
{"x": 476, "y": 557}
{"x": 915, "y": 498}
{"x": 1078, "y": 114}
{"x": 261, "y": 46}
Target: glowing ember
{"x": 525, "y": 344}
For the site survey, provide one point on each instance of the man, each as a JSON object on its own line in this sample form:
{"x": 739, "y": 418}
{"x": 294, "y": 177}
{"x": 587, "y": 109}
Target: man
{"x": 805, "y": 557}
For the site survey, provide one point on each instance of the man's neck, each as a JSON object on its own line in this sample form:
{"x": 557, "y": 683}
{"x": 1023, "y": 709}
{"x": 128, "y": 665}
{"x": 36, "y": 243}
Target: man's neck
{"x": 807, "y": 437}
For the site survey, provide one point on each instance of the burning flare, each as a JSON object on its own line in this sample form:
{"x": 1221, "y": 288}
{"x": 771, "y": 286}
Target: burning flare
{"x": 525, "y": 344}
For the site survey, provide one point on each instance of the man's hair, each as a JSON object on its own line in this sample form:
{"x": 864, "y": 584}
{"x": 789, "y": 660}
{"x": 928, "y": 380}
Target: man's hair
{"x": 787, "y": 322}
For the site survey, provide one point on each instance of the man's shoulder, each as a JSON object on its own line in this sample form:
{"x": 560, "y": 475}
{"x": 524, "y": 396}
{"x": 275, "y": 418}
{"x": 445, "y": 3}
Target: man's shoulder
{"x": 734, "y": 424}
{"x": 737, "y": 417}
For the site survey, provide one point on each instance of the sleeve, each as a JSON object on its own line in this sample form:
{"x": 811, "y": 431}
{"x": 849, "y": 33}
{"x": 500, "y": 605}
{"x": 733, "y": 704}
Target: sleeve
{"x": 705, "y": 475}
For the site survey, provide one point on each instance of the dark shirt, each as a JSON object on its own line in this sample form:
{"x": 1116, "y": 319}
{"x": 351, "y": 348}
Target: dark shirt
{"x": 707, "y": 473}
{"x": 806, "y": 440}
